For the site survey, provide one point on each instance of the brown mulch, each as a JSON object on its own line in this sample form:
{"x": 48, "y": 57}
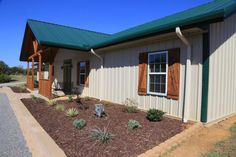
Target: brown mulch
{"x": 19, "y": 90}
{"x": 125, "y": 143}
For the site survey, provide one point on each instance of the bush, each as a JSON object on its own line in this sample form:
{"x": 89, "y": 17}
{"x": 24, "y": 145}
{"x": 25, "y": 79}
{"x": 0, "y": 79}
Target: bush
{"x": 60, "y": 107}
{"x": 4, "y": 78}
{"x": 130, "y": 106}
{"x": 35, "y": 99}
{"x": 52, "y": 102}
{"x": 155, "y": 115}
{"x": 133, "y": 124}
{"x": 102, "y": 135}
{"x": 79, "y": 123}
{"x": 71, "y": 112}
{"x": 70, "y": 98}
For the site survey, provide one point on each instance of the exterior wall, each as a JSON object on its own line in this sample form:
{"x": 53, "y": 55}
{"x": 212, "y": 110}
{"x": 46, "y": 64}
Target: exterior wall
{"x": 222, "y": 71}
{"x": 120, "y": 75}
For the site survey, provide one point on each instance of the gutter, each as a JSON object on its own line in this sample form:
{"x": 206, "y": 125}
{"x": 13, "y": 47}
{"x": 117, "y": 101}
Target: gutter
{"x": 101, "y": 72}
{"x": 187, "y": 75}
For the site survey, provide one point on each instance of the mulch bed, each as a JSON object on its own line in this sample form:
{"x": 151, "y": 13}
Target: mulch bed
{"x": 19, "y": 89}
{"x": 125, "y": 143}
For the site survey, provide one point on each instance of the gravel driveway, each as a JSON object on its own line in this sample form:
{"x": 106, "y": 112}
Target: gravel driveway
{"x": 12, "y": 142}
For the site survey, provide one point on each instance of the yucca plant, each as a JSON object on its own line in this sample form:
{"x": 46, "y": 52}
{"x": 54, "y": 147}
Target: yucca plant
{"x": 71, "y": 112}
{"x": 60, "y": 107}
{"x": 102, "y": 135}
{"x": 52, "y": 102}
{"x": 35, "y": 99}
{"x": 70, "y": 98}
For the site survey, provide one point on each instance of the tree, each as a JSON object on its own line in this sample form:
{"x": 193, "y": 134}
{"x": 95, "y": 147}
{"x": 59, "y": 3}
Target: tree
{"x": 4, "y": 69}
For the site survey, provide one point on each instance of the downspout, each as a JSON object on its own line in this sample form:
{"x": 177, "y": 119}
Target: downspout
{"x": 101, "y": 75}
{"x": 187, "y": 75}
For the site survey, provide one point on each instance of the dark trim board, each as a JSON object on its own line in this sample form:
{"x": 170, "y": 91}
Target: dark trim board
{"x": 205, "y": 76}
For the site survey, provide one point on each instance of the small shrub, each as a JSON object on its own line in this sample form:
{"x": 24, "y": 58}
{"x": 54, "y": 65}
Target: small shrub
{"x": 52, "y": 102}
{"x": 79, "y": 123}
{"x": 70, "y": 98}
{"x": 102, "y": 135}
{"x": 133, "y": 124}
{"x": 35, "y": 99}
{"x": 71, "y": 112}
{"x": 155, "y": 115}
{"x": 87, "y": 98}
{"x": 60, "y": 107}
{"x": 130, "y": 106}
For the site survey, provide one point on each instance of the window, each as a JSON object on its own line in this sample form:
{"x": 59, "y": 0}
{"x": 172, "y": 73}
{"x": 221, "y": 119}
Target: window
{"x": 82, "y": 73}
{"x": 157, "y": 73}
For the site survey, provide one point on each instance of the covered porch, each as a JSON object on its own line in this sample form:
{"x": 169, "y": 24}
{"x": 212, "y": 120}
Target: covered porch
{"x": 37, "y": 57}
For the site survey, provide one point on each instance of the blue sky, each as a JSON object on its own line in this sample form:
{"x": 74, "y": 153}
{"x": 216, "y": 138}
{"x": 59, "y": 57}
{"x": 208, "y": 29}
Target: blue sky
{"x": 108, "y": 16}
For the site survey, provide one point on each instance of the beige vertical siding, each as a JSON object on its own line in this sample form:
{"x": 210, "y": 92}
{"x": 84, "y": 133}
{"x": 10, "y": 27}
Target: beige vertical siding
{"x": 120, "y": 75}
{"x": 222, "y": 73}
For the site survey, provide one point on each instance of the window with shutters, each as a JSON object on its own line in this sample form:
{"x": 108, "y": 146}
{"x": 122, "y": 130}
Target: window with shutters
{"x": 82, "y": 73}
{"x": 157, "y": 73}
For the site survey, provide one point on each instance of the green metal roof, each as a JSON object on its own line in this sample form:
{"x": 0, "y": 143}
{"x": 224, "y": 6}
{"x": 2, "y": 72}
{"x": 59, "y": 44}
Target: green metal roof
{"x": 74, "y": 38}
{"x": 206, "y": 12}
{"x": 64, "y": 36}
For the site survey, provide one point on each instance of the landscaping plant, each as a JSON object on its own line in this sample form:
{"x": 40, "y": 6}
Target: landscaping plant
{"x": 133, "y": 124}
{"x": 130, "y": 106}
{"x": 79, "y": 123}
{"x": 4, "y": 78}
{"x": 102, "y": 135}
{"x": 52, "y": 102}
{"x": 60, "y": 107}
{"x": 155, "y": 115}
{"x": 70, "y": 98}
{"x": 35, "y": 99}
{"x": 71, "y": 112}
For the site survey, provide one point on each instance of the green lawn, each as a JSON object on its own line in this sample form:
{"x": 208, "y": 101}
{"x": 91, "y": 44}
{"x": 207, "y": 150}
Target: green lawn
{"x": 225, "y": 148}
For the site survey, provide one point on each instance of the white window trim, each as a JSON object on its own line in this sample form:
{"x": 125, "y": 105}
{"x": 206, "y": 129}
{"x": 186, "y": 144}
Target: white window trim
{"x": 82, "y": 73}
{"x": 166, "y": 73}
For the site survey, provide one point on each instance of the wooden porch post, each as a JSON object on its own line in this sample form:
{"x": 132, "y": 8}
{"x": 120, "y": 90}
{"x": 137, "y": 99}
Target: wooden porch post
{"x": 40, "y": 71}
{"x": 32, "y": 73}
{"x": 50, "y": 78}
{"x": 27, "y": 78}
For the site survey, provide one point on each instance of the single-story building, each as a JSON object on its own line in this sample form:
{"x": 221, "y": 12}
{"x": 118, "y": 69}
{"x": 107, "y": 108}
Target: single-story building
{"x": 183, "y": 64}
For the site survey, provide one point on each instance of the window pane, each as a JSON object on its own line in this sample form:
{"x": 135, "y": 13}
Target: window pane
{"x": 152, "y": 59}
{"x": 157, "y": 67}
{"x": 82, "y": 79}
{"x": 163, "y": 68}
{"x": 151, "y": 66}
{"x": 163, "y": 57}
{"x": 163, "y": 88}
{"x": 151, "y": 87}
{"x": 162, "y": 79}
{"x": 157, "y": 58}
{"x": 82, "y": 67}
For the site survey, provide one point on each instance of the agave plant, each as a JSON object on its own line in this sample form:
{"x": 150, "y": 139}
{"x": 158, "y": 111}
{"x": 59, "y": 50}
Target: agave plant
{"x": 52, "y": 102}
{"x": 71, "y": 112}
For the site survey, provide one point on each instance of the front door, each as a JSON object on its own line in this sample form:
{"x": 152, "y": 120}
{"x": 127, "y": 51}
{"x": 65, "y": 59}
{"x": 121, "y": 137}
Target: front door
{"x": 67, "y": 85}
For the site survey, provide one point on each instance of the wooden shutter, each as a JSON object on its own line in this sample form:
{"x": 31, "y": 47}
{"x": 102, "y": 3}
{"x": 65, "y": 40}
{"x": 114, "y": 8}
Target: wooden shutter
{"x": 87, "y": 74}
{"x": 173, "y": 73}
{"x": 78, "y": 72}
{"x": 142, "y": 79}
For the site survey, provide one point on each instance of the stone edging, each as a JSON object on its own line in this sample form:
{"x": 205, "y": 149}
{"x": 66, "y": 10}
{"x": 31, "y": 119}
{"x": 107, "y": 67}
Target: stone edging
{"x": 172, "y": 142}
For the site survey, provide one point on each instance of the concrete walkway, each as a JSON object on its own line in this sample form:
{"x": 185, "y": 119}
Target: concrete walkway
{"x": 12, "y": 142}
{"x": 15, "y": 83}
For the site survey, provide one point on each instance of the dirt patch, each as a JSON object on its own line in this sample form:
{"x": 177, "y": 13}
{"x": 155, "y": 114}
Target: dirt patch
{"x": 126, "y": 142}
{"x": 19, "y": 89}
{"x": 205, "y": 140}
